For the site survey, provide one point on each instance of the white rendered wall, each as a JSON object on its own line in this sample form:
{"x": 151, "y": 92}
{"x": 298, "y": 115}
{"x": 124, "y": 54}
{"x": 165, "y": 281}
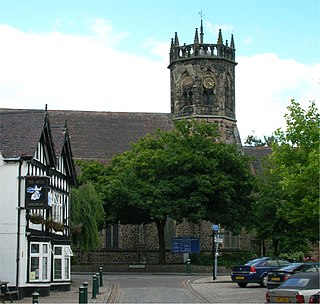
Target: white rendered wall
{"x": 9, "y": 182}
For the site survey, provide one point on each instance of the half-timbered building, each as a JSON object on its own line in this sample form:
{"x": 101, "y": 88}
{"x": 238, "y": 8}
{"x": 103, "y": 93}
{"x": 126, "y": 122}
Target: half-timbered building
{"x": 36, "y": 173}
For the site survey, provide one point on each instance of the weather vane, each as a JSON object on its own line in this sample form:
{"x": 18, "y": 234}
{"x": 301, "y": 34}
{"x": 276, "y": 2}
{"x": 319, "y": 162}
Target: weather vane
{"x": 201, "y": 14}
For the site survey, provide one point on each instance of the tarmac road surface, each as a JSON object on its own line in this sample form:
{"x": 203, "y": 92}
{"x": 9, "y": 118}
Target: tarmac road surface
{"x": 158, "y": 288}
{"x": 181, "y": 289}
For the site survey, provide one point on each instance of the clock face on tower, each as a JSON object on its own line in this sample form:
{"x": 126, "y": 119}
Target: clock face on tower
{"x": 208, "y": 83}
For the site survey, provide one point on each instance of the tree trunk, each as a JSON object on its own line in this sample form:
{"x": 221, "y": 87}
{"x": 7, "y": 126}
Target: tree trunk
{"x": 275, "y": 244}
{"x": 162, "y": 248}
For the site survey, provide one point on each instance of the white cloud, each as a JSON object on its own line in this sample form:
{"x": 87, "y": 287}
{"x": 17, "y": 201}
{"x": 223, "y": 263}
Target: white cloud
{"x": 104, "y": 32}
{"x": 87, "y": 73}
{"x": 158, "y": 48}
{"x": 73, "y": 72}
{"x": 214, "y": 28}
{"x": 265, "y": 84}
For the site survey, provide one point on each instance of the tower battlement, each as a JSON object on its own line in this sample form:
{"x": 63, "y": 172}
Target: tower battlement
{"x": 198, "y": 49}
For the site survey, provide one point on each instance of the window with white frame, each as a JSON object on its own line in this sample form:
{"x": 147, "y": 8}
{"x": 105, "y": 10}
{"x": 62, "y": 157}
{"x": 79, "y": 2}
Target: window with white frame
{"x": 39, "y": 261}
{"x": 57, "y": 206}
{"x": 62, "y": 262}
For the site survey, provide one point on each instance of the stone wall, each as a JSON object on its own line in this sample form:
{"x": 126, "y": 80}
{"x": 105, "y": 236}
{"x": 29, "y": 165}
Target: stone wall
{"x": 149, "y": 268}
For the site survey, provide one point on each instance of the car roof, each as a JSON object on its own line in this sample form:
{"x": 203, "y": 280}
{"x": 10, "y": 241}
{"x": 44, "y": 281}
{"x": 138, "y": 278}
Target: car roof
{"x": 291, "y": 266}
{"x": 306, "y": 274}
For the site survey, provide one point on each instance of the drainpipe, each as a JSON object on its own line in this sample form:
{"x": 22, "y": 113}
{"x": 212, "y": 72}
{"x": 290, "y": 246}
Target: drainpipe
{"x": 18, "y": 228}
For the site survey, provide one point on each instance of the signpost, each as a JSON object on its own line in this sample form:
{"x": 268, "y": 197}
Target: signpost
{"x": 185, "y": 245}
{"x": 215, "y": 245}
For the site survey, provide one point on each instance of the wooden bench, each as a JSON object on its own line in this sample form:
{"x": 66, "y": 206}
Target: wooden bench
{"x": 6, "y": 292}
{"x": 2, "y": 297}
{"x": 10, "y": 293}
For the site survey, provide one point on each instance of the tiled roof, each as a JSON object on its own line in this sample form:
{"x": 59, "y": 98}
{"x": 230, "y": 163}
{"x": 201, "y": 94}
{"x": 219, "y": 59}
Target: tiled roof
{"x": 93, "y": 135}
{"x": 257, "y": 155}
{"x": 100, "y": 135}
{"x": 20, "y": 132}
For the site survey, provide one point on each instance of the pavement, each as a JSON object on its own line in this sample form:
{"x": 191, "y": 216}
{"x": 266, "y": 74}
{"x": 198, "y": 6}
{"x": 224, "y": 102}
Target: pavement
{"x": 105, "y": 291}
{"x": 72, "y": 296}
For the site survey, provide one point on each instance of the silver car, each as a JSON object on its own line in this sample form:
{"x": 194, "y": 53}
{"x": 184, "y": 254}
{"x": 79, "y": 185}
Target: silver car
{"x": 296, "y": 289}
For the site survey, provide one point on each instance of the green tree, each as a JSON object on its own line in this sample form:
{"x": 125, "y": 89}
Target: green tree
{"x": 268, "y": 224}
{"x": 87, "y": 211}
{"x": 253, "y": 140}
{"x": 185, "y": 173}
{"x": 296, "y": 162}
{"x": 287, "y": 207}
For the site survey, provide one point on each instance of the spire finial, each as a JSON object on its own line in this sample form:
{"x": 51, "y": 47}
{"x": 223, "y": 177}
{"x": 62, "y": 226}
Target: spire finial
{"x": 232, "y": 42}
{"x": 201, "y": 27}
{"x": 176, "y": 39}
{"x": 196, "y": 37}
{"x": 220, "y": 41}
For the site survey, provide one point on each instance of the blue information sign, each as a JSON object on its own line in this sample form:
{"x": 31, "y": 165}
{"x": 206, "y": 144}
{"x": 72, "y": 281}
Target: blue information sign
{"x": 185, "y": 245}
{"x": 215, "y": 228}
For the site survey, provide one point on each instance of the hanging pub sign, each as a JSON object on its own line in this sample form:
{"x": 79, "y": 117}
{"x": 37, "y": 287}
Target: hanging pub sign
{"x": 36, "y": 194}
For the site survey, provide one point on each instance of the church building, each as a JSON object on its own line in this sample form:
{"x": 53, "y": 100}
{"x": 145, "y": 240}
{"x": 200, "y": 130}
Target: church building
{"x": 202, "y": 82}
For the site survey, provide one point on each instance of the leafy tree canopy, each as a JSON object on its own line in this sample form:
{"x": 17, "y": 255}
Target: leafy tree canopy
{"x": 287, "y": 208}
{"x": 296, "y": 162}
{"x": 184, "y": 174}
{"x": 253, "y": 140}
{"x": 87, "y": 212}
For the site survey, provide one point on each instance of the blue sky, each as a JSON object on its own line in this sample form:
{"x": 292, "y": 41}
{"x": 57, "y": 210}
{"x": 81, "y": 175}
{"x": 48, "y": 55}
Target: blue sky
{"x": 75, "y": 54}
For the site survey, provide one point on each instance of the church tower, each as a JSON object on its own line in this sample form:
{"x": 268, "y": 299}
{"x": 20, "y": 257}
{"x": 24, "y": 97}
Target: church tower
{"x": 202, "y": 77}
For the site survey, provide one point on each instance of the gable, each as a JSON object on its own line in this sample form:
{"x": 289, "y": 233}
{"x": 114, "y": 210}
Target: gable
{"x": 27, "y": 134}
{"x": 20, "y": 132}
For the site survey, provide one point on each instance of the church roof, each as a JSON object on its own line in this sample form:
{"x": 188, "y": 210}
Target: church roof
{"x": 93, "y": 135}
{"x": 258, "y": 156}
{"x": 101, "y": 135}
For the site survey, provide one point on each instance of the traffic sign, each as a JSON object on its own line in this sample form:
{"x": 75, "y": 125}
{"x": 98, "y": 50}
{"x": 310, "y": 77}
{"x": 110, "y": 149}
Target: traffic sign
{"x": 185, "y": 245}
{"x": 215, "y": 228}
{"x": 218, "y": 240}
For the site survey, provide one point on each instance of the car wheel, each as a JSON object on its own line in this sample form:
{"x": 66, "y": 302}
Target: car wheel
{"x": 242, "y": 284}
{"x": 264, "y": 281}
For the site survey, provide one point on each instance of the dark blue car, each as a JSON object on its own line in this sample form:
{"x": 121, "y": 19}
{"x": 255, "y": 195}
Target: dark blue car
{"x": 255, "y": 270}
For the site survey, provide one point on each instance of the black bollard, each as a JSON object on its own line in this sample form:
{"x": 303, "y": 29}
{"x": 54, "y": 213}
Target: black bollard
{"x": 100, "y": 276}
{"x": 94, "y": 287}
{"x": 35, "y": 297}
{"x": 81, "y": 295}
{"x": 97, "y": 282}
{"x": 85, "y": 285}
{"x": 188, "y": 268}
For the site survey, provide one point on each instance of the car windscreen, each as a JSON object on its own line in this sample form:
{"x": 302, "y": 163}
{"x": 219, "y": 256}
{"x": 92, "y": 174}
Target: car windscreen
{"x": 296, "y": 283}
{"x": 251, "y": 262}
{"x": 290, "y": 267}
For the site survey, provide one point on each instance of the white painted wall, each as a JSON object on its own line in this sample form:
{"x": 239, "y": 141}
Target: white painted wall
{"x": 8, "y": 220}
{"x": 9, "y": 185}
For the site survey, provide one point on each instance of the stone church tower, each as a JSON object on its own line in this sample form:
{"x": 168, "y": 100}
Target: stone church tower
{"x": 202, "y": 79}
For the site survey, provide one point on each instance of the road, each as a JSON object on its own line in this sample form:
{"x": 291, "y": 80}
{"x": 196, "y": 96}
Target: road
{"x": 147, "y": 288}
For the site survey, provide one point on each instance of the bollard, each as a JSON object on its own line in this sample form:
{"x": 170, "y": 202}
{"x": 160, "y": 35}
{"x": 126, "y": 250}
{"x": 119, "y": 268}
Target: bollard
{"x": 101, "y": 279}
{"x": 97, "y": 282}
{"x": 94, "y": 287}
{"x": 35, "y": 297}
{"x": 85, "y": 285}
{"x": 81, "y": 295}
{"x": 188, "y": 267}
